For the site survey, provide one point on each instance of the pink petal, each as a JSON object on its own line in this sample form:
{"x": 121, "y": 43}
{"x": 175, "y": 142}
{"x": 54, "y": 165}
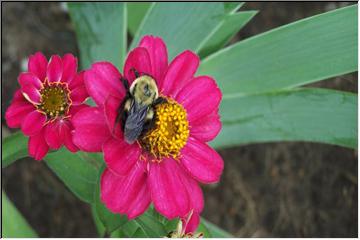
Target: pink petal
{"x": 139, "y": 205}
{"x": 168, "y": 192}
{"x": 111, "y": 108}
{"x": 37, "y": 65}
{"x": 54, "y": 69}
{"x": 69, "y": 67}
{"x": 126, "y": 194}
{"x": 52, "y": 135}
{"x": 192, "y": 224}
{"x": 101, "y": 80}
{"x": 18, "y": 96}
{"x": 75, "y": 108}
{"x": 194, "y": 191}
{"x": 18, "y": 110}
{"x": 200, "y": 97}
{"x": 206, "y": 128}
{"x": 158, "y": 56}
{"x": 29, "y": 79}
{"x": 201, "y": 161}
{"x": 179, "y": 73}
{"x": 90, "y": 129}
{"x": 120, "y": 156}
{"x": 139, "y": 60}
{"x": 79, "y": 95}
{"x": 77, "y": 81}
{"x": 37, "y": 145}
{"x": 65, "y": 133}
{"x": 33, "y": 123}
{"x": 31, "y": 93}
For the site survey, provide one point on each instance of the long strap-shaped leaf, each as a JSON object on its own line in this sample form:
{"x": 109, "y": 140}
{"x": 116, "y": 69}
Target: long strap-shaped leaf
{"x": 101, "y": 31}
{"x": 229, "y": 27}
{"x": 182, "y": 25}
{"x": 13, "y": 224}
{"x": 316, "y": 115}
{"x": 306, "y": 51}
{"x": 14, "y": 147}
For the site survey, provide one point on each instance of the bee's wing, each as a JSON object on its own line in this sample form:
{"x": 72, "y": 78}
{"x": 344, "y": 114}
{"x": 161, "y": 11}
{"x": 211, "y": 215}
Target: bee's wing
{"x": 135, "y": 122}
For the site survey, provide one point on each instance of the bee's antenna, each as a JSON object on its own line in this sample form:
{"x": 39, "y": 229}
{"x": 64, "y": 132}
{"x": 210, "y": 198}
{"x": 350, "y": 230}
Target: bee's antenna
{"x": 125, "y": 82}
{"x": 135, "y": 72}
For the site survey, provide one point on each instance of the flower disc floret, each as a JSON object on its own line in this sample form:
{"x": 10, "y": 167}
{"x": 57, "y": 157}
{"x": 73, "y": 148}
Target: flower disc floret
{"x": 170, "y": 132}
{"x": 55, "y": 99}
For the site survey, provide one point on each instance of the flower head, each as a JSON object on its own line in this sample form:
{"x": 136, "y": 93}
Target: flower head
{"x": 50, "y": 94}
{"x": 169, "y": 158}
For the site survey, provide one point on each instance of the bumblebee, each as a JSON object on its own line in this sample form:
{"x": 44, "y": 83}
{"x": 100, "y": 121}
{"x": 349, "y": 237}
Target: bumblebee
{"x": 137, "y": 111}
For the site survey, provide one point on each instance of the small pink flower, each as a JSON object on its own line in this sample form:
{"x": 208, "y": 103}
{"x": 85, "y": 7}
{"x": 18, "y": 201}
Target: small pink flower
{"x": 165, "y": 165}
{"x": 50, "y": 94}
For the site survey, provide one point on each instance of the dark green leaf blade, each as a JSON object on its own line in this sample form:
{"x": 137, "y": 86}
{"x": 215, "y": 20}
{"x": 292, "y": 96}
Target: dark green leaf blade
{"x": 232, "y": 6}
{"x": 181, "y": 25}
{"x": 136, "y": 13}
{"x": 151, "y": 225}
{"x": 229, "y": 27}
{"x": 13, "y": 224}
{"x": 98, "y": 223}
{"x": 317, "y": 115}
{"x": 306, "y": 51}
{"x": 78, "y": 172}
{"x": 101, "y": 31}
{"x": 14, "y": 147}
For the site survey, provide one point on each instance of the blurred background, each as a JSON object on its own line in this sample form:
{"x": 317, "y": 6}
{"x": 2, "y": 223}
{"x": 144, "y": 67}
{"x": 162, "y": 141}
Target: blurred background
{"x": 267, "y": 190}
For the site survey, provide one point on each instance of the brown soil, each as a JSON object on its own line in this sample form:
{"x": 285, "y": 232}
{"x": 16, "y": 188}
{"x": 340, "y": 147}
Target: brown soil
{"x": 267, "y": 190}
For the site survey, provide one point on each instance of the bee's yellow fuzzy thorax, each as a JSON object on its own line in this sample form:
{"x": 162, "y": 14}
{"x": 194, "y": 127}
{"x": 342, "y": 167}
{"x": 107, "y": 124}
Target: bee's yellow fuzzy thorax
{"x": 170, "y": 132}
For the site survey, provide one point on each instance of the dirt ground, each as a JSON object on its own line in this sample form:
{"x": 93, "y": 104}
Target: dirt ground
{"x": 267, "y": 190}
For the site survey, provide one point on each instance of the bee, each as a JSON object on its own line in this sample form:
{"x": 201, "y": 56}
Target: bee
{"x": 137, "y": 111}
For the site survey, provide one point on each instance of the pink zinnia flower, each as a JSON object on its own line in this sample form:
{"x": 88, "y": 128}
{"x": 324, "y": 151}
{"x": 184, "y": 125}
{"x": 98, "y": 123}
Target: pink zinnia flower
{"x": 165, "y": 165}
{"x": 50, "y": 94}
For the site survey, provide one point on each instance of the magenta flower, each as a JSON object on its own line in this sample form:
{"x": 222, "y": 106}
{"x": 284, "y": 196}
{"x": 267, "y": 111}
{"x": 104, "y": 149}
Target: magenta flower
{"x": 165, "y": 165}
{"x": 51, "y": 93}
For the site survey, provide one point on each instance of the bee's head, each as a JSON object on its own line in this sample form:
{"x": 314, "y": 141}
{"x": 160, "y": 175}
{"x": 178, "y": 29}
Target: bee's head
{"x": 144, "y": 90}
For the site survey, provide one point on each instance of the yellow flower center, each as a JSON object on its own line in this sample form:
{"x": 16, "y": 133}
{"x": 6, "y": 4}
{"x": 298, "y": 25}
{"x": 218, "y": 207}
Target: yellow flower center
{"x": 170, "y": 132}
{"x": 55, "y": 99}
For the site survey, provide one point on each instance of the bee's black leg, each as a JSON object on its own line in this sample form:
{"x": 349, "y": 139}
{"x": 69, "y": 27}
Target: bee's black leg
{"x": 159, "y": 100}
{"x": 147, "y": 126}
{"x": 121, "y": 114}
{"x": 135, "y": 72}
{"x": 125, "y": 82}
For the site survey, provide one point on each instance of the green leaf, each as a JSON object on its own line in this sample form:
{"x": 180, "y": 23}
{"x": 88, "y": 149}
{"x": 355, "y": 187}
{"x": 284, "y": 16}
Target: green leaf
{"x": 78, "y": 171}
{"x": 13, "y": 223}
{"x": 231, "y": 7}
{"x": 214, "y": 230}
{"x": 151, "y": 225}
{"x": 316, "y": 115}
{"x": 146, "y": 225}
{"x": 14, "y": 147}
{"x": 101, "y": 31}
{"x": 130, "y": 228}
{"x": 181, "y": 25}
{"x": 229, "y": 27}
{"x": 306, "y": 51}
{"x": 110, "y": 220}
{"x": 99, "y": 225}
{"x": 136, "y": 12}
{"x": 203, "y": 229}
{"x": 118, "y": 233}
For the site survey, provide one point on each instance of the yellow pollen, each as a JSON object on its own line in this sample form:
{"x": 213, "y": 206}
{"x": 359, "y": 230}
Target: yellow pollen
{"x": 55, "y": 99}
{"x": 170, "y": 132}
